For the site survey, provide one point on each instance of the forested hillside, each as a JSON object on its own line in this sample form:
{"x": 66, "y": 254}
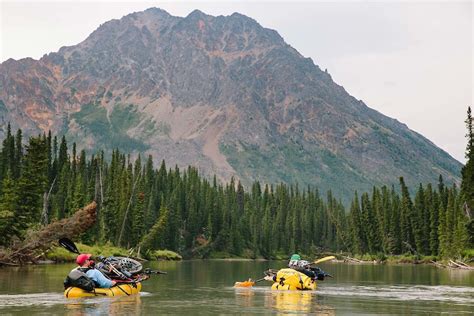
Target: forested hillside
{"x": 140, "y": 206}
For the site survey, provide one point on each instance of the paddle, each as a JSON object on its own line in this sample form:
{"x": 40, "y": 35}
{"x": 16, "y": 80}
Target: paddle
{"x": 69, "y": 245}
{"x": 324, "y": 259}
{"x": 248, "y": 283}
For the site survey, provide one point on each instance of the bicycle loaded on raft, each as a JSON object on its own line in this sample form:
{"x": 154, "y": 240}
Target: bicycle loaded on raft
{"x": 112, "y": 276}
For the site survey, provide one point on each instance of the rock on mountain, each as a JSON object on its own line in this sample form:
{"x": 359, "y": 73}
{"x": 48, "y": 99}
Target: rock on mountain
{"x": 222, "y": 93}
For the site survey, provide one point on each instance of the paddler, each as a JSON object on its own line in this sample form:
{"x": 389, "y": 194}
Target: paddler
{"x": 87, "y": 266}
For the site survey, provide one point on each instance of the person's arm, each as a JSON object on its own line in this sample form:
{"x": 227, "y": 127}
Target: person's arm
{"x": 100, "y": 279}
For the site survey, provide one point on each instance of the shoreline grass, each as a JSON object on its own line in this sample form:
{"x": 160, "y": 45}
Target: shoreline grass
{"x": 59, "y": 254}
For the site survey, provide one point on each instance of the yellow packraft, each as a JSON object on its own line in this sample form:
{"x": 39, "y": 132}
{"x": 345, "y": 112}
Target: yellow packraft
{"x": 289, "y": 279}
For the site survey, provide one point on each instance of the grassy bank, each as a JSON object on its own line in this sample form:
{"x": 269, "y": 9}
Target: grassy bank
{"x": 59, "y": 254}
{"x": 164, "y": 255}
{"x": 466, "y": 256}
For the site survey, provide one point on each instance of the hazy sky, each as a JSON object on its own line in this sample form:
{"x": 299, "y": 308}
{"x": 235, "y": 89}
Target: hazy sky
{"x": 409, "y": 60}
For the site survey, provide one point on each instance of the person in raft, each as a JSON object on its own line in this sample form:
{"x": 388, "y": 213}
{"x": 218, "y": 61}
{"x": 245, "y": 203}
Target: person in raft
{"x": 305, "y": 267}
{"x": 86, "y": 265}
{"x": 302, "y": 266}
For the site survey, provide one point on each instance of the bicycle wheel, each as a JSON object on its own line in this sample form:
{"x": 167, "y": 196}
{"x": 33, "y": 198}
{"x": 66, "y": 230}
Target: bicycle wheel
{"x": 130, "y": 265}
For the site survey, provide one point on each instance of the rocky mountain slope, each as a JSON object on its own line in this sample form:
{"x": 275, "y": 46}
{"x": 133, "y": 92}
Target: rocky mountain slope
{"x": 222, "y": 93}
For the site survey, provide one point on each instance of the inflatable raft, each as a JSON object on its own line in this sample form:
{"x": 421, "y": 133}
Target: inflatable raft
{"x": 289, "y": 279}
{"x": 123, "y": 289}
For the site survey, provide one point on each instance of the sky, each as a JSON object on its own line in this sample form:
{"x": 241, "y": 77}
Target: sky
{"x": 410, "y": 60}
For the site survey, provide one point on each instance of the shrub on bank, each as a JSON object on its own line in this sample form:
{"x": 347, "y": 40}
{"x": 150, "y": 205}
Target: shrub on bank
{"x": 59, "y": 254}
{"x": 164, "y": 255}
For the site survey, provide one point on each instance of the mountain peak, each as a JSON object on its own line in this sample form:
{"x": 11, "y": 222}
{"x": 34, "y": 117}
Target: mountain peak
{"x": 198, "y": 14}
{"x": 157, "y": 11}
{"x": 222, "y": 93}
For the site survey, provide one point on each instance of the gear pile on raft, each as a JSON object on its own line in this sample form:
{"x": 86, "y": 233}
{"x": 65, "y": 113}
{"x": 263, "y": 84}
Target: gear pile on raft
{"x": 300, "y": 275}
{"x": 112, "y": 276}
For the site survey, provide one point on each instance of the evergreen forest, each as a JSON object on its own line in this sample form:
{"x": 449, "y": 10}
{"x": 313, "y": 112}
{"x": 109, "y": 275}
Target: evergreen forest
{"x": 44, "y": 178}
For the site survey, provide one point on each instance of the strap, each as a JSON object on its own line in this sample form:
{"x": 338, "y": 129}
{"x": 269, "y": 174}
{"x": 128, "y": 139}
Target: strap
{"x": 118, "y": 285}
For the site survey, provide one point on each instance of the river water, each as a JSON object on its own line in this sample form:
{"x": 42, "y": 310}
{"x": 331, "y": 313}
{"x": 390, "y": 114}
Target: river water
{"x": 199, "y": 287}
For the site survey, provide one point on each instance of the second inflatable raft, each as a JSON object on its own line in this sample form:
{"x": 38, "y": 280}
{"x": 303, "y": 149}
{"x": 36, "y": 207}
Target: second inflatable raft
{"x": 289, "y": 279}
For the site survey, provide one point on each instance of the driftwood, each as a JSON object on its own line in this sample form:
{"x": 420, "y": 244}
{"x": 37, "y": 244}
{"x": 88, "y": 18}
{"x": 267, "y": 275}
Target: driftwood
{"x": 353, "y": 260}
{"x": 42, "y": 240}
{"x": 439, "y": 265}
{"x": 460, "y": 265}
{"x": 453, "y": 264}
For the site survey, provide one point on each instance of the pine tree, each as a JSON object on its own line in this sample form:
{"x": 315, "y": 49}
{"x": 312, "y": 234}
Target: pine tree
{"x": 406, "y": 218}
{"x": 156, "y": 237}
{"x": 419, "y": 219}
{"x": 33, "y": 180}
{"x": 434, "y": 224}
{"x": 395, "y": 230}
{"x": 467, "y": 184}
{"x": 357, "y": 245}
{"x": 11, "y": 221}
{"x": 18, "y": 154}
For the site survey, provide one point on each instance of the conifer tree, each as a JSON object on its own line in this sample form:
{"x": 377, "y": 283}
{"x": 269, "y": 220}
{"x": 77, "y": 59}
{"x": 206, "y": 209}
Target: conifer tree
{"x": 418, "y": 216}
{"x": 434, "y": 224}
{"x": 395, "y": 229}
{"x": 358, "y": 244}
{"x": 11, "y": 221}
{"x": 156, "y": 237}
{"x": 406, "y": 217}
{"x": 33, "y": 180}
{"x": 467, "y": 184}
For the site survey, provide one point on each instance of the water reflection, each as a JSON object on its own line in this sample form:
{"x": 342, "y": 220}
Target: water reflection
{"x": 124, "y": 305}
{"x": 244, "y": 297}
{"x": 296, "y": 302}
{"x": 205, "y": 287}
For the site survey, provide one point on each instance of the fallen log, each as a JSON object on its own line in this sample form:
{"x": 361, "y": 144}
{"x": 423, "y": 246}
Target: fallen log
{"x": 353, "y": 260}
{"x": 463, "y": 264}
{"x": 42, "y": 240}
{"x": 460, "y": 265}
{"x": 439, "y": 265}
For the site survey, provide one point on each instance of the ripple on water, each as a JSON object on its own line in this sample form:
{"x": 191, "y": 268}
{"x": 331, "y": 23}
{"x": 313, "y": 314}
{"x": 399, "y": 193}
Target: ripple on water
{"x": 460, "y": 295}
{"x": 45, "y": 299}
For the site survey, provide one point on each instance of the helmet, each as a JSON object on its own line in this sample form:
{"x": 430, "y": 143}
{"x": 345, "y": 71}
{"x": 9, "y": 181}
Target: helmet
{"x": 295, "y": 257}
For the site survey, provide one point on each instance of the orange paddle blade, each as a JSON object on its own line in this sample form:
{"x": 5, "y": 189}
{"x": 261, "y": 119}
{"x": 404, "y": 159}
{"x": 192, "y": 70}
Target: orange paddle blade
{"x": 247, "y": 283}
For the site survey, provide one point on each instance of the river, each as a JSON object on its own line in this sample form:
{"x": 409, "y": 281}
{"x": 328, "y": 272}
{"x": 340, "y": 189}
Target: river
{"x": 199, "y": 287}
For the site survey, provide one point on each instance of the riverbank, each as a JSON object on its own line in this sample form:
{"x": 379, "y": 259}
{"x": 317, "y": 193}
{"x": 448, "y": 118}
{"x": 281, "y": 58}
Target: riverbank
{"x": 59, "y": 254}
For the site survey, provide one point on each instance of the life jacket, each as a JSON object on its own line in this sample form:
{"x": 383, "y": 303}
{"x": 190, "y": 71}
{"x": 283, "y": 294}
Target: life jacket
{"x": 78, "y": 278}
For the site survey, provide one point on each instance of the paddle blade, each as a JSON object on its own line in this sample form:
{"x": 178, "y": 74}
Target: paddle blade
{"x": 68, "y": 244}
{"x": 324, "y": 259}
{"x": 248, "y": 283}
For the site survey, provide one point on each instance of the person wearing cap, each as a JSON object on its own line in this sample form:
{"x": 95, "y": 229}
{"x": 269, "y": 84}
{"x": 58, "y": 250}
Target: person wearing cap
{"x": 297, "y": 264}
{"x": 86, "y": 265}
{"x": 302, "y": 266}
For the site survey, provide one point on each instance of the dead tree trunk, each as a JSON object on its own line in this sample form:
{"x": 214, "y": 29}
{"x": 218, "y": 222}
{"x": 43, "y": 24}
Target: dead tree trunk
{"x": 42, "y": 240}
{"x": 45, "y": 214}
